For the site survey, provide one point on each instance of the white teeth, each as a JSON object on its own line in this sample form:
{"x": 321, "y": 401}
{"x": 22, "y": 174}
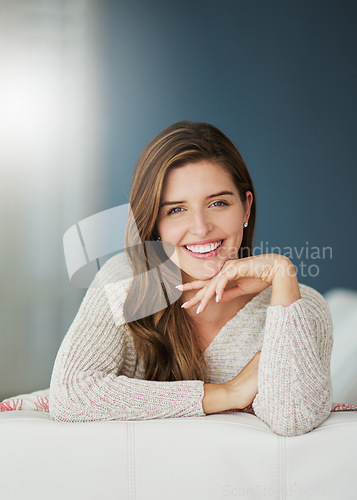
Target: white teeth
{"x": 203, "y": 248}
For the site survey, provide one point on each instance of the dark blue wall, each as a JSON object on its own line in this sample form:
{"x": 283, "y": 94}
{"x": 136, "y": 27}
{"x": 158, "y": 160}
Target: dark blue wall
{"x": 279, "y": 78}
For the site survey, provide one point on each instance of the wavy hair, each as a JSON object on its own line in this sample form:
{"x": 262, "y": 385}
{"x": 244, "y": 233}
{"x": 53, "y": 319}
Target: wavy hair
{"x": 165, "y": 341}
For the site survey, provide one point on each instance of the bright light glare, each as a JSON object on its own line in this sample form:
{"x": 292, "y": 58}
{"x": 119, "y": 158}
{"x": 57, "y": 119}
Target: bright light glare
{"x": 49, "y": 119}
{"x": 30, "y": 106}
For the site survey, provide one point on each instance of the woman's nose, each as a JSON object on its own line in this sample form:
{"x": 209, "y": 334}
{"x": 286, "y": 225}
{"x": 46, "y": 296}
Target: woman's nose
{"x": 201, "y": 225}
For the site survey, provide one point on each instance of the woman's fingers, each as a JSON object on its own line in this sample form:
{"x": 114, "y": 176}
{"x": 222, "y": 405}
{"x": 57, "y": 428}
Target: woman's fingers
{"x": 250, "y": 275}
{"x": 192, "y": 285}
{"x": 208, "y": 290}
{"x": 203, "y": 296}
{"x": 231, "y": 293}
{"x": 194, "y": 300}
{"x": 213, "y": 289}
{"x": 220, "y": 286}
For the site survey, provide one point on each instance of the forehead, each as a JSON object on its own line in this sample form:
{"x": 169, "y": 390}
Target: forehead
{"x": 197, "y": 179}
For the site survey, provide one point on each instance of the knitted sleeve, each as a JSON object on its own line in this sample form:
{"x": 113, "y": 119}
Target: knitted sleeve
{"x": 294, "y": 384}
{"x": 88, "y": 381}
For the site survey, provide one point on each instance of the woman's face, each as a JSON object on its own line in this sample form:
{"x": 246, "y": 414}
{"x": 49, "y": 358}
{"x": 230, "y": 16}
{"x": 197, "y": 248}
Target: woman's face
{"x": 202, "y": 216}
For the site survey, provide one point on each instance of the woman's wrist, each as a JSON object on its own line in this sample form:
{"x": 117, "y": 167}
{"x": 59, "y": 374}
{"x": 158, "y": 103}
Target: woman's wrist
{"x": 225, "y": 396}
{"x": 285, "y": 286}
{"x": 216, "y": 398}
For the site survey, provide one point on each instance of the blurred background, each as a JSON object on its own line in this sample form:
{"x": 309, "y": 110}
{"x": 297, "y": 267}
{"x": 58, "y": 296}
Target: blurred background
{"x": 85, "y": 84}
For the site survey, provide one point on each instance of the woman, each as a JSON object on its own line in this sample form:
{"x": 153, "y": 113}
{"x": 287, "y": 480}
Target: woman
{"x": 244, "y": 335}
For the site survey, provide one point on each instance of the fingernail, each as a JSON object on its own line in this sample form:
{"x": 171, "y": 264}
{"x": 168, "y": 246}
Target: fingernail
{"x": 217, "y": 298}
{"x": 198, "y": 309}
{"x": 179, "y": 287}
{"x": 184, "y": 305}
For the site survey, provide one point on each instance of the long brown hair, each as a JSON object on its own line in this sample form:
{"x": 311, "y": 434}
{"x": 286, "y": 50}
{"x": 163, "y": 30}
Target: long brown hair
{"x": 165, "y": 340}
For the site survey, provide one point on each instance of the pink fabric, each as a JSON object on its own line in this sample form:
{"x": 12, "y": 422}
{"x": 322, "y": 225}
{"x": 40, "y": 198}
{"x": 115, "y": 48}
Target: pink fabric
{"x": 36, "y": 401}
{"x": 344, "y": 407}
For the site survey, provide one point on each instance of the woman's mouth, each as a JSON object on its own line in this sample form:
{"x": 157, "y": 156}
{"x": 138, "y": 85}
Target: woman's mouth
{"x": 204, "y": 251}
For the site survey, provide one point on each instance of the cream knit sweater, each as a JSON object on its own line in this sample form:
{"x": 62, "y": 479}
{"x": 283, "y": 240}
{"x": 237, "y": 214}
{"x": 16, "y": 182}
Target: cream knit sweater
{"x": 97, "y": 376}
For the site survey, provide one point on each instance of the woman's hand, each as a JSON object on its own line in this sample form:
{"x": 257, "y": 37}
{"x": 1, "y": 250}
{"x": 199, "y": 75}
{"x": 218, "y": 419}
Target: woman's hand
{"x": 236, "y": 394}
{"x": 244, "y": 387}
{"x": 247, "y": 276}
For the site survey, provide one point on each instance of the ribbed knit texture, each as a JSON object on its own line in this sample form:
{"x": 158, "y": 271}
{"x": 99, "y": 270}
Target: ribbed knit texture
{"x": 97, "y": 376}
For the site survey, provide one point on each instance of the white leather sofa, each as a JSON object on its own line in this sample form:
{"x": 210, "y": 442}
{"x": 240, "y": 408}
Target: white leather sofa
{"x": 228, "y": 455}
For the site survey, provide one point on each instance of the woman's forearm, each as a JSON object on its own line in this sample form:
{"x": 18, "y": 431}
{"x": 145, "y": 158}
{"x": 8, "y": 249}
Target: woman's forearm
{"x": 294, "y": 375}
{"x": 285, "y": 286}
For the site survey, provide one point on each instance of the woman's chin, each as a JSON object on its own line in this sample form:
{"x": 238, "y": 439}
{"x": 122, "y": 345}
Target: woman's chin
{"x": 202, "y": 274}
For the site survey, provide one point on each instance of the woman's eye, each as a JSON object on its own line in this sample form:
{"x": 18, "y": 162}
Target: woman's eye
{"x": 175, "y": 210}
{"x": 219, "y": 203}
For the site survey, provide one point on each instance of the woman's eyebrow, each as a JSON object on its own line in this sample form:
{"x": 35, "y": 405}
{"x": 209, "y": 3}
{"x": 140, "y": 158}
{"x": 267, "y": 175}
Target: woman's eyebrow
{"x": 222, "y": 193}
{"x": 207, "y": 197}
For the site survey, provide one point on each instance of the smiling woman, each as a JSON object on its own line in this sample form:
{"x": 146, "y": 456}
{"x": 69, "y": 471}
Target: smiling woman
{"x": 208, "y": 225}
{"x": 243, "y": 335}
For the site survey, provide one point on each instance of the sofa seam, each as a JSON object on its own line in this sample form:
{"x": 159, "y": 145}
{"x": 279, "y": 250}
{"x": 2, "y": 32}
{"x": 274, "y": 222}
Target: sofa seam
{"x": 282, "y": 467}
{"x": 131, "y": 461}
